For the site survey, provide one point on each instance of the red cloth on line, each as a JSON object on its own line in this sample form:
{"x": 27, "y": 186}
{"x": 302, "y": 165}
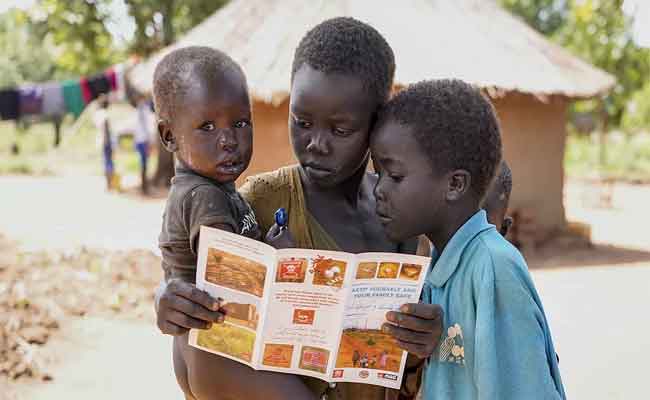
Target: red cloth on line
{"x": 85, "y": 90}
{"x": 112, "y": 78}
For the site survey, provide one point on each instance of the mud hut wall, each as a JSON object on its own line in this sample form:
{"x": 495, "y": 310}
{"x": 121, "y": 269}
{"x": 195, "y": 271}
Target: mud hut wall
{"x": 534, "y": 135}
{"x": 534, "y": 138}
{"x": 271, "y": 145}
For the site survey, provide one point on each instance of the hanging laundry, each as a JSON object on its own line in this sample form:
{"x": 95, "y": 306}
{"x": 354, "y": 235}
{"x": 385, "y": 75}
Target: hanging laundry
{"x": 53, "y": 101}
{"x": 30, "y": 100}
{"x": 73, "y": 98}
{"x": 120, "y": 82}
{"x": 112, "y": 78}
{"x": 9, "y": 104}
{"x": 99, "y": 85}
{"x": 85, "y": 90}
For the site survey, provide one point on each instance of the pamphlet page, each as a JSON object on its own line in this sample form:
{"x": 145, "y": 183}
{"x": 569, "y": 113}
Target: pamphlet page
{"x": 238, "y": 271}
{"x": 305, "y": 311}
{"x": 382, "y": 282}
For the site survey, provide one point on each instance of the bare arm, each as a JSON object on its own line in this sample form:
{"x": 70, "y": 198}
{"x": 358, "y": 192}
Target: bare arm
{"x": 181, "y": 306}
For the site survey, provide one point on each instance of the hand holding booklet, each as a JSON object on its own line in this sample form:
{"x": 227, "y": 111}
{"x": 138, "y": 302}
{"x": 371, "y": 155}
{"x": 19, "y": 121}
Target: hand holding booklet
{"x": 307, "y": 312}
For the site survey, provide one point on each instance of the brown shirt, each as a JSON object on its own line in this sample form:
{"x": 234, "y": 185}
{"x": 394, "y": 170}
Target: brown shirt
{"x": 194, "y": 201}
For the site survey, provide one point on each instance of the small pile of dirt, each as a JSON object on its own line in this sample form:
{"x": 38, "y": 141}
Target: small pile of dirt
{"x": 39, "y": 290}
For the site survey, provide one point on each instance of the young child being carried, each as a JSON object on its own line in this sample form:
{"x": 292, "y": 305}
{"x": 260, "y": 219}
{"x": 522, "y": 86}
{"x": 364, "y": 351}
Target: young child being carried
{"x": 204, "y": 118}
{"x": 438, "y": 146}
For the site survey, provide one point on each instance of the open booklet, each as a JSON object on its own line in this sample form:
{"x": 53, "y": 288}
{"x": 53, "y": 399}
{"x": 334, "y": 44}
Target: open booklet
{"x": 307, "y": 312}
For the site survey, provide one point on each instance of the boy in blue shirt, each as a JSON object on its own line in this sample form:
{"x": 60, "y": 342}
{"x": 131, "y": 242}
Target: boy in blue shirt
{"x": 438, "y": 146}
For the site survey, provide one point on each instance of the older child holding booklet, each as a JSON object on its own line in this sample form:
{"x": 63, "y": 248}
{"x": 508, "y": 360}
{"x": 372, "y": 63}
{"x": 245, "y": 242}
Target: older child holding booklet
{"x": 438, "y": 146}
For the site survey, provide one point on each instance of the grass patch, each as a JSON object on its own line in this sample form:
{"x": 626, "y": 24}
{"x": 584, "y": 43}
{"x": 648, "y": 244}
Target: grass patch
{"x": 627, "y": 157}
{"x": 79, "y": 151}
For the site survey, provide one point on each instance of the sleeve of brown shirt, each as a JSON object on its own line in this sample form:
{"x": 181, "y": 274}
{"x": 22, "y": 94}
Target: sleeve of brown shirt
{"x": 206, "y": 205}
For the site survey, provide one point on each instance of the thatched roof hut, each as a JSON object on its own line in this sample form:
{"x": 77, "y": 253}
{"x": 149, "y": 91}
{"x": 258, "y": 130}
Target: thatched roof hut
{"x": 530, "y": 79}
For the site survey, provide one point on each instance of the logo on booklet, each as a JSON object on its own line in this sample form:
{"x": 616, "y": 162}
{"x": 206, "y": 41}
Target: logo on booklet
{"x": 303, "y": 317}
{"x": 391, "y": 377}
{"x": 291, "y": 270}
{"x": 338, "y": 373}
{"x": 363, "y": 374}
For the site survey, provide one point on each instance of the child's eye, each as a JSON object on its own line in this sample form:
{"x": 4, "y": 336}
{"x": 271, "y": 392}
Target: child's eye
{"x": 242, "y": 124}
{"x": 302, "y": 123}
{"x": 396, "y": 178}
{"x": 208, "y": 127}
{"x": 342, "y": 132}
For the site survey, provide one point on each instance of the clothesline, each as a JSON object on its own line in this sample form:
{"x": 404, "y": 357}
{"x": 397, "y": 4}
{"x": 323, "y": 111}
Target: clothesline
{"x": 59, "y": 98}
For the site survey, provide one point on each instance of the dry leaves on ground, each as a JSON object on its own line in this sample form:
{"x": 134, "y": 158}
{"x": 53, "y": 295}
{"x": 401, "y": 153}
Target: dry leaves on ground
{"x": 39, "y": 290}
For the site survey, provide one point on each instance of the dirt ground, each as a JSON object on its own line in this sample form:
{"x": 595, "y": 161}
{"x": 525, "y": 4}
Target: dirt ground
{"x": 87, "y": 260}
{"x": 100, "y": 250}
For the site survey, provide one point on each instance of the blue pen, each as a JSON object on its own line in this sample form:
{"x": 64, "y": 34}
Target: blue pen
{"x": 281, "y": 218}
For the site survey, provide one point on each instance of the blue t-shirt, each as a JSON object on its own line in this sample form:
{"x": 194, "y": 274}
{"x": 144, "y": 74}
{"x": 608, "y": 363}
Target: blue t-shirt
{"x": 496, "y": 343}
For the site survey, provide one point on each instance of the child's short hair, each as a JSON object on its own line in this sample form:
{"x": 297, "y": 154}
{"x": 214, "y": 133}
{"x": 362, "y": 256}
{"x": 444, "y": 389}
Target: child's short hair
{"x": 348, "y": 46}
{"x": 177, "y": 69}
{"x": 455, "y": 124}
{"x": 503, "y": 182}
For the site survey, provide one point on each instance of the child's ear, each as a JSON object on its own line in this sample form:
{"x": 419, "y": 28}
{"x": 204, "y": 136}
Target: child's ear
{"x": 167, "y": 136}
{"x": 459, "y": 182}
{"x": 505, "y": 226}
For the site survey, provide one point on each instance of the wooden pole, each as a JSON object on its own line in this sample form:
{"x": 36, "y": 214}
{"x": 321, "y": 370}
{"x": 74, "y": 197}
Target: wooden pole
{"x": 604, "y": 126}
{"x": 57, "y": 130}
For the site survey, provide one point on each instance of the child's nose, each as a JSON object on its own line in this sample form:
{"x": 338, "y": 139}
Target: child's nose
{"x": 318, "y": 143}
{"x": 228, "y": 140}
{"x": 379, "y": 191}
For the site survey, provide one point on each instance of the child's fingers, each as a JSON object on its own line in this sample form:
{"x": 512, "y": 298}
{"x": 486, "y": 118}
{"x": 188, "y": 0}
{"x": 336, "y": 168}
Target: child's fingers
{"x": 414, "y": 323}
{"x": 407, "y": 335}
{"x": 186, "y": 321}
{"x": 280, "y": 238}
{"x": 170, "y": 328}
{"x": 194, "y": 310}
{"x": 191, "y": 292}
{"x": 271, "y": 235}
{"x": 419, "y": 350}
{"x": 422, "y": 310}
{"x": 286, "y": 235}
{"x": 274, "y": 231}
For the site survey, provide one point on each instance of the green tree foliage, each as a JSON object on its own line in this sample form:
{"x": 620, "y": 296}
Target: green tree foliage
{"x": 546, "y": 16}
{"x": 599, "y": 32}
{"x": 78, "y": 29}
{"x": 160, "y": 22}
{"x": 25, "y": 57}
{"x": 637, "y": 113}
{"x": 81, "y": 42}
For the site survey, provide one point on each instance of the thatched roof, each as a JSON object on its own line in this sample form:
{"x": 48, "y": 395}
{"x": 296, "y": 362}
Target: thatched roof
{"x": 473, "y": 40}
